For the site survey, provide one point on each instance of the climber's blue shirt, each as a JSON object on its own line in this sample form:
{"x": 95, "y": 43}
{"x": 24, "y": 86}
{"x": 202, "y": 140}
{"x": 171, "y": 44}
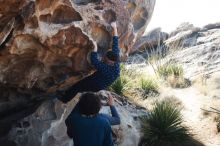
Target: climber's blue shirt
{"x": 91, "y": 131}
{"x": 105, "y": 74}
{"x": 103, "y": 77}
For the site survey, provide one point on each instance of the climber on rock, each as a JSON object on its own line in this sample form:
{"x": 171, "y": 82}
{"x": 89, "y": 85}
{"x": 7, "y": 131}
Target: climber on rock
{"x": 107, "y": 71}
{"x": 86, "y": 126}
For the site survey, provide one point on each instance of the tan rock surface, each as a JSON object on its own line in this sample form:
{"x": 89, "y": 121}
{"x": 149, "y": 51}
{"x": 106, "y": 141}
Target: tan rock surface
{"x": 44, "y": 41}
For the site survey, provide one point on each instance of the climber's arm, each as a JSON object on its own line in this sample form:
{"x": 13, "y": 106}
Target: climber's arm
{"x": 68, "y": 120}
{"x": 115, "y": 47}
{"x": 115, "y": 118}
{"x": 69, "y": 127}
{"x": 115, "y": 30}
{"x": 99, "y": 65}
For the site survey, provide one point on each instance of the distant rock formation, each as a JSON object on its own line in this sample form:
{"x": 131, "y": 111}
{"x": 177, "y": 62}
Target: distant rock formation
{"x": 44, "y": 45}
{"x": 211, "y": 26}
{"x": 197, "y": 48}
{"x": 151, "y": 40}
{"x": 185, "y": 35}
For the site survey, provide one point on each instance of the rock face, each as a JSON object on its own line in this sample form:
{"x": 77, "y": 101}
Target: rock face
{"x": 201, "y": 52}
{"x": 46, "y": 126}
{"x": 151, "y": 40}
{"x": 198, "y": 50}
{"x": 185, "y": 36}
{"x": 44, "y": 45}
{"x": 211, "y": 26}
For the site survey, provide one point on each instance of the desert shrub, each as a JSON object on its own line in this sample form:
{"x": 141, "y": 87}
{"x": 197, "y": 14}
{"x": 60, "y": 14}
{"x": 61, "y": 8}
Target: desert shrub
{"x": 154, "y": 58}
{"x": 174, "y": 101}
{"x": 217, "y": 119}
{"x": 170, "y": 70}
{"x": 178, "y": 82}
{"x": 149, "y": 87}
{"x": 173, "y": 74}
{"x": 132, "y": 72}
{"x": 163, "y": 127}
{"x": 129, "y": 78}
{"x": 122, "y": 67}
{"x": 120, "y": 85}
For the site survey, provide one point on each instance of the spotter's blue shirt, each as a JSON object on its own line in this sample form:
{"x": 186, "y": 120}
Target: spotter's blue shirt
{"x": 105, "y": 74}
{"x": 91, "y": 131}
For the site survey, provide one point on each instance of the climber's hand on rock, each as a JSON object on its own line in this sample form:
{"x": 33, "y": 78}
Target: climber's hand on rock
{"x": 110, "y": 101}
{"x": 95, "y": 48}
{"x": 114, "y": 25}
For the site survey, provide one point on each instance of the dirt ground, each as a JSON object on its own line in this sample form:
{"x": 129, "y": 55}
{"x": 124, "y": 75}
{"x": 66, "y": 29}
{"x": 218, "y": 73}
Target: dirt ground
{"x": 193, "y": 100}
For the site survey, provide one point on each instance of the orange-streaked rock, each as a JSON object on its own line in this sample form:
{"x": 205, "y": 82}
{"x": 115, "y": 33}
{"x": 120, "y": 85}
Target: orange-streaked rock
{"x": 44, "y": 4}
{"x": 8, "y": 6}
{"x": 63, "y": 32}
{"x": 65, "y": 14}
{"x": 45, "y": 44}
{"x": 72, "y": 42}
{"x": 6, "y": 31}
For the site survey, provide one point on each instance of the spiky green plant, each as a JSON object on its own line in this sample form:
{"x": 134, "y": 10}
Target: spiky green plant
{"x": 170, "y": 69}
{"x": 119, "y": 85}
{"x": 122, "y": 67}
{"x": 149, "y": 85}
{"x": 163, "y": 127}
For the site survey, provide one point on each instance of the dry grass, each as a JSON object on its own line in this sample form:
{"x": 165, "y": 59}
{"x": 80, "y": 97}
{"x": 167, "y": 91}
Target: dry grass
{"x": 175, "y": 101}
{"x": 178, "y": 82}
{"x": 168, "y": 69}
{"x": 149, "y": 87}
{"x": 216, "y": 118}
{"x": 205, "y": 113}
{"x": 201, "y": 84}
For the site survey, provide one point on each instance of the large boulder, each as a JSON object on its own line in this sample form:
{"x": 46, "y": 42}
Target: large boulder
{"x": 185, "y": 35}
{"x": 44, "y": 45}
{"x": 151, "y": 40}
{"x": 202, "y": 59}
{"x": 46, "y": 127}
{"x": 211, "y": 26}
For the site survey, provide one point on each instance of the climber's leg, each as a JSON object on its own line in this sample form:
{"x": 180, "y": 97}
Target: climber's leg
{"x": 84, "y": 85}
{"x": 89, "y": 57}
{"x": 66, "y": 96}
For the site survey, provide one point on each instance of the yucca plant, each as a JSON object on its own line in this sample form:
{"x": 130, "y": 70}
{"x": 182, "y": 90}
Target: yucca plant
{"x": 149, "y": 86}
{"x": 163, "y": 127}
{"x": 119, "y": 85}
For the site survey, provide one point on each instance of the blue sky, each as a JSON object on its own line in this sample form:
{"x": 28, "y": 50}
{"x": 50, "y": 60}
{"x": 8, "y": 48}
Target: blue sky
{"x": 168, "y": 14}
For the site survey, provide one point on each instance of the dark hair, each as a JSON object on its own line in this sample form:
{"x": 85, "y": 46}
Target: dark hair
{"x": 111, "y": 56}
{"x": 89, "y": 104}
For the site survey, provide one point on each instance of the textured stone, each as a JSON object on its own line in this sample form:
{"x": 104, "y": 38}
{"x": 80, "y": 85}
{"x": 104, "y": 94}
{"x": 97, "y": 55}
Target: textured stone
{"x": 186, "y": 26}
{"x": 151, "y": 40}
{"x": 203, "y": 58}
{"x": 185, "y": 35}
{"x": 211, "y": 26}
{"x": 6, "y": 31}
{"x": 46, "y": 126}
{"x": 44, "y": 45}
{"x": 11, "y": 6}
